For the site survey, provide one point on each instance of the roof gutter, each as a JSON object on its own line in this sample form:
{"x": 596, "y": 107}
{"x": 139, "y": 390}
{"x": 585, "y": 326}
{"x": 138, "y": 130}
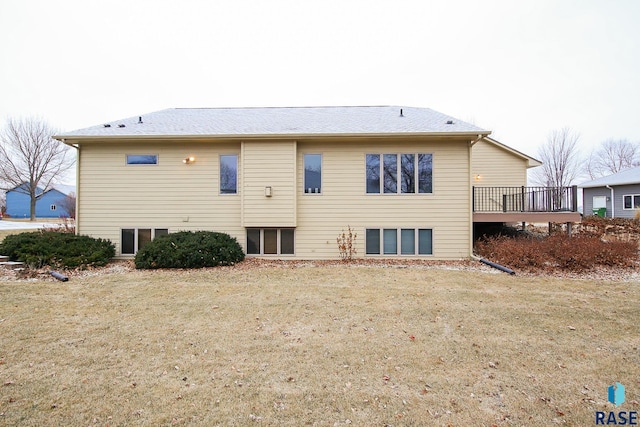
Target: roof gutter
{"x": 65, "y": 138}
{"x": 613, "y": 202}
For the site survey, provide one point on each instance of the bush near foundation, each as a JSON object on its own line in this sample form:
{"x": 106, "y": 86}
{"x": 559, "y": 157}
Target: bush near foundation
{"x": 560, "y": 251}
{"x": 189, "y": 249}
{"x": 57, "y": 249}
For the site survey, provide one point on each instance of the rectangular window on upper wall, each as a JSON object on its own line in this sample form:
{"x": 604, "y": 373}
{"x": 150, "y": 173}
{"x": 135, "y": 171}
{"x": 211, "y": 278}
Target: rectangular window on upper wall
{"x": 134, "y": 239}
{"x": 401, "y": 173}
{"x": 229, "y": 174}
{"x": 412, "y": 241}
{"x": 631, "y": 201}
{"x": 390, "y": 173}
{"x": 270, "y": 241}
{"x": 425, "y": 173}
{"x": 142, "y": 159}
{"x": 373, "y": 173}
{"x": 313, "y": 173}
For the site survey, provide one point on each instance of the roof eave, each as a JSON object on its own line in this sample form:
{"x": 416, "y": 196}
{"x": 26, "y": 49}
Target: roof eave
{"x": 68, "y": 138}
{"x": 617, "y": 184}
{"x": 532, "y": 162}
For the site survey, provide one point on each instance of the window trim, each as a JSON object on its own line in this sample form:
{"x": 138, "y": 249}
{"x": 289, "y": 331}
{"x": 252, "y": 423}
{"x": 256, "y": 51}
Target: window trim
{"x": 632, "y": 196}
{"x": 381, "y": 250}
{"x": 278, "y": 241}
{"x": 136, "y": 237}
{"x": 128, "y": 163}
{"x": 398, "y": 173}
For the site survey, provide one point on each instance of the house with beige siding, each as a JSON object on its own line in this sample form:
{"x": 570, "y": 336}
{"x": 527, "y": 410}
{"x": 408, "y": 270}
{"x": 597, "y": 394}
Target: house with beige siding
{"x": 286, "y": 181}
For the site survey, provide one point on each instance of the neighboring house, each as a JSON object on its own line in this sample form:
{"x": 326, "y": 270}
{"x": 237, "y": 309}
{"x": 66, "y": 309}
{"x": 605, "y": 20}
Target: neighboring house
{"x": 48, "y": 203}
{"x": 286, "y": 181}
{"x": 618, "y": 194}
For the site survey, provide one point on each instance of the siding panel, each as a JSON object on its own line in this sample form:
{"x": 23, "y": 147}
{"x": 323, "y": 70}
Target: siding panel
{"x": 269, "y": 164}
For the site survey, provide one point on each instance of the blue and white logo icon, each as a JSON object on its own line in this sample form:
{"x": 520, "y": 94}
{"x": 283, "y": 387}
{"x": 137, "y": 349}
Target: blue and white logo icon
{"x": 616, "y": 394}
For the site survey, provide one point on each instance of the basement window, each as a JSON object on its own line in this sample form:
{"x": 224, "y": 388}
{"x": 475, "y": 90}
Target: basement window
{"x": 134, "y": 239}
{"x": 270, "y": 241}
{"x": 402, "y": 241}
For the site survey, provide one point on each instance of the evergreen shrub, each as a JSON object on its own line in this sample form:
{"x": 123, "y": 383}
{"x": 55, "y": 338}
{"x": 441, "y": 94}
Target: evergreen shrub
{"x": 190, "y": 249}
{"x": 58, "y": 250}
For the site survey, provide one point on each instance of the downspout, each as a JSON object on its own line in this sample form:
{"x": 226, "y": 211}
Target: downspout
{"x": 471, "y": 144}
{"x": 613, "y": 203}
{"x": 77, "y": 147}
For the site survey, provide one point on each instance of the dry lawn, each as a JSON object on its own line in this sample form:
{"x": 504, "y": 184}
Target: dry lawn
{"x": 332, "y": 345}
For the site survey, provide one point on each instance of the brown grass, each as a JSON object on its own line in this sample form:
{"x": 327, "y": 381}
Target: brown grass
{"x": 330, "y": 345}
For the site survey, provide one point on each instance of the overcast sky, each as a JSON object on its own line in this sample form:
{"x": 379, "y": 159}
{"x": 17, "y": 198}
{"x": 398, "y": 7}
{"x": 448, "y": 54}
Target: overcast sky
{"x": 519, "y": 68}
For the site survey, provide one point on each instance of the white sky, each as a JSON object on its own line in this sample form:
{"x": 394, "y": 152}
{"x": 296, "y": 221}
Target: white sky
{"x": 519, "y": 68}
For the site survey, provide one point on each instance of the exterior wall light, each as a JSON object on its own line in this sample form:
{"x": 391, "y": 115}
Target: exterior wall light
{"x": 189, "y": 160}
{"x": 477, "y": 177}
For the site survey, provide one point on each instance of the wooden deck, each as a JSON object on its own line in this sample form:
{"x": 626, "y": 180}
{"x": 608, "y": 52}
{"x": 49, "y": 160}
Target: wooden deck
{"x": 526, "y": 204}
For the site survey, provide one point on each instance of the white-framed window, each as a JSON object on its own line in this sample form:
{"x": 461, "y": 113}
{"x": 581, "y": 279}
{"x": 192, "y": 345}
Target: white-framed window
{"x": 133, "y": 239}
{"x": 312, "y": 173}
{"x": 229, "y": 174}
{"x": 399, "y": 173}
{"x": 142, "y": 159}
{"x": 599, "y": 202}
{"x": 53, "y": 207}
{"x": 399, "y": 241}
{"x": 270, "y": 241}
{"x": 631, "y": 201}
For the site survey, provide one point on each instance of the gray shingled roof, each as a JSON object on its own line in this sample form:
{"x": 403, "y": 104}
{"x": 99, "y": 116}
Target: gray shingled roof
{"x": 625, "y": 177}
{"x": 234, "y": 122}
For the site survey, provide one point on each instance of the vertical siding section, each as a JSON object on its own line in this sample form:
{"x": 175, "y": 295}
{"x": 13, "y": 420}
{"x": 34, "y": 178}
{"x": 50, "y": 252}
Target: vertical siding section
{"x": 269, "y": 164}
{"x": 496, "y": 167}
{"x": 344, "y": 201}
{"x": 171, "y": 194}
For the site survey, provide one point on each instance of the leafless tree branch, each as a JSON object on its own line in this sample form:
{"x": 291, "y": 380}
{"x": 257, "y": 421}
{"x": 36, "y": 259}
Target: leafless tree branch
{"x": 560, "y": 159}
{"x": 611, "y": 157}
{"x": 31, "y": 159}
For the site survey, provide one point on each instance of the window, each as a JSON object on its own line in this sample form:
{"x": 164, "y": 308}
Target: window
{"x": 52, "y": 207}
{"x": 142, "y": 159}
{"x": 373, "y": 241}
{"x": 390, "y": 241}
{"x": 133, "y": 239}
{"x": 373, "y": 173}
{"x": 229, "y": 174}
{"x": 390, "y": 171}
{"x": 270, "y": 241}
{"x": 401, "y": 173}
{"x": 631, "y": 201}
{"x": 312, "y": 173}
{"x": 599, "y": 202}
{"x": 412, "y": 241}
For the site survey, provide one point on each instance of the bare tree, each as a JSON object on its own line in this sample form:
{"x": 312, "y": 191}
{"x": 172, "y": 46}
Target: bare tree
{"x": 611, "y": 157}
{"x": 560, "y": 159}
{"x": 68, "y": 203}
{"x": 31, "y": 159}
